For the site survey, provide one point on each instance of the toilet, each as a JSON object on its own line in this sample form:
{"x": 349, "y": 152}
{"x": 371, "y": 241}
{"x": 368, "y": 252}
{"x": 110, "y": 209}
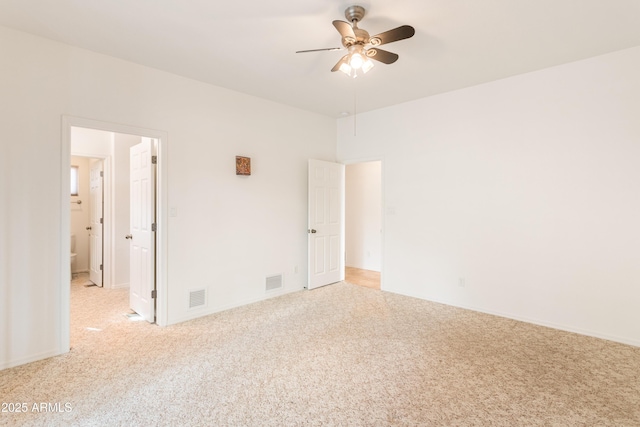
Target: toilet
{"x": 72, "y": 263}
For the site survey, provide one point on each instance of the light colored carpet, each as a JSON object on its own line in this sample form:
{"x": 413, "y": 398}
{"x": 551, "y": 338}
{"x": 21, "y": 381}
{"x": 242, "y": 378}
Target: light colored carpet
{"x": 341, "y": 355}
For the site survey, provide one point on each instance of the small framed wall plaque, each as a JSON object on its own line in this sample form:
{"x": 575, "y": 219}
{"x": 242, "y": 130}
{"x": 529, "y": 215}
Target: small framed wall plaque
{"x": 243, "y": 165}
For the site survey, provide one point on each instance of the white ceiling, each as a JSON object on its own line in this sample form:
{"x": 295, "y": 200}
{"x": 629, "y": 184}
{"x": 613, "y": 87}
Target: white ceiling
{"x": 249, "y": 45}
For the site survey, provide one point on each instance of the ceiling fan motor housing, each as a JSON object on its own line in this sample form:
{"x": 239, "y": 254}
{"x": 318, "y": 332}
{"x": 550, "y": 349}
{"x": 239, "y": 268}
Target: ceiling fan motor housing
{"x": 362, "y": 37}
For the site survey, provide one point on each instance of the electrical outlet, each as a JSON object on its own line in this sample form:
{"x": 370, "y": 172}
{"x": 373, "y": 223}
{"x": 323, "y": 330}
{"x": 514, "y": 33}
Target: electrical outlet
{"x": 461, "y": 282}
{"x": 295, "y": 269}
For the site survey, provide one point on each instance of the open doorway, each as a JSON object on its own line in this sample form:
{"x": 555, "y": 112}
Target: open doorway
{"x": 87, "y": 215}
{"x": 363, "y": 223}
{"x": 109, "y": 143}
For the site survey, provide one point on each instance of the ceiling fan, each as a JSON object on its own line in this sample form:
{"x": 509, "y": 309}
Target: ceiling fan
{"x": 363, "y": 48}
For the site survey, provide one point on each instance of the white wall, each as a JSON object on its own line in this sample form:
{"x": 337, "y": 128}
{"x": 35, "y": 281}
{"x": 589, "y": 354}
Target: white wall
{"x": 229, "y": 232}
{"x": 79, "y": 214}
{"x": 91, "y": 142}
{"x": 363, "y": 215}
{"x": 525, "y": 188}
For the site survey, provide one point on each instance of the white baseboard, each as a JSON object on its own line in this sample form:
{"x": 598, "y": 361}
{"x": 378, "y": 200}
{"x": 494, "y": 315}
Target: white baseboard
{"x": 120, "y": 286}
{"x": 29, "y": 359}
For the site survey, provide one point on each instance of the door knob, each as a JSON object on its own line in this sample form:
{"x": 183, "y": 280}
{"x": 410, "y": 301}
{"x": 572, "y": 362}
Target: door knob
{"x": 88, "y": 228}
{"x": 312, "y": 231}
{"x": 128, "y": 236}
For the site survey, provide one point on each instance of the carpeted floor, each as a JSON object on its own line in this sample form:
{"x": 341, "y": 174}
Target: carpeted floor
{"x": 340, "y": 355}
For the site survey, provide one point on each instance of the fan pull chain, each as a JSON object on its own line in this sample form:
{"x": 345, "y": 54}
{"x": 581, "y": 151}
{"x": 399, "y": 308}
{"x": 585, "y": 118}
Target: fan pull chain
{"x": 355, "y": 113}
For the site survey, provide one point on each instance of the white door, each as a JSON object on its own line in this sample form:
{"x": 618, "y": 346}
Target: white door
{"x": 142, "y": 235}
{"x": 95, "y": 222}
{"x": 326, "y": 183}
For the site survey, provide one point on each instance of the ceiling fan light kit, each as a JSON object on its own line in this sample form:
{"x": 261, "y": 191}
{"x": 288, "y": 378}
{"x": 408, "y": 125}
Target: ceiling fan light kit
{"x": 363, "y": 48}
{"x": 357, "y": 60}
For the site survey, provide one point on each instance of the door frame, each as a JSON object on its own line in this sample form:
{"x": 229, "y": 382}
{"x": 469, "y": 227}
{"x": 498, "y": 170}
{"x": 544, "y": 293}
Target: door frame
{"x": 106, "y": 246}
{"x": 65, "y": 228}
{"x": 382, "y": 210}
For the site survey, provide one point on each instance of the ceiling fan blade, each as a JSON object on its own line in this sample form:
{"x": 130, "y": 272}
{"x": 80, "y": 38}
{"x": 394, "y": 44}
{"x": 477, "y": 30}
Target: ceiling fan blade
{"x": 345, "y": 30}
{"x": 400, "y": 33}
{"x": 319, "y": 50}
{"x": 382, "y": 55}
{"x": 343, "y": 60}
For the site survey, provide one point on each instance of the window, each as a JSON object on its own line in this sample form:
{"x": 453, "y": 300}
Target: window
{"x": 74, "y": 180}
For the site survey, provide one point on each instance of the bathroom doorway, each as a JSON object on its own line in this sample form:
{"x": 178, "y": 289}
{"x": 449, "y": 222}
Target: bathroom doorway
{"x": 87, "y": 218}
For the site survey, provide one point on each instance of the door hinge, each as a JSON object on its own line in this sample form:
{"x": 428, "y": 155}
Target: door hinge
{"x": 100, "y": 267}
{"x": 101, "y": 220}
{"x": 154, "y": 160}
{"x": 154, "y": 227}
{"x": 101, "y": 174}
{"x": 154, "y": 294}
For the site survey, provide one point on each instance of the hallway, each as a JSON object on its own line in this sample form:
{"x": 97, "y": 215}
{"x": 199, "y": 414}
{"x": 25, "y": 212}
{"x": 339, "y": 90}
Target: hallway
{"x": 360, "y": 277}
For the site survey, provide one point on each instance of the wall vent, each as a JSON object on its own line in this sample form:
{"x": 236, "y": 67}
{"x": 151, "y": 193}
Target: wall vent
{"x": 197, "y": 298}
{"x": 273, "y": 282}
